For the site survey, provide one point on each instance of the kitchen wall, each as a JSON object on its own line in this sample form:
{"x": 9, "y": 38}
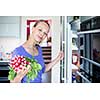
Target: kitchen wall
{"x": 9, "y": 43}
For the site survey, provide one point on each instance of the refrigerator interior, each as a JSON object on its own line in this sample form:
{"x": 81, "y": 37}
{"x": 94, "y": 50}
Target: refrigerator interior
{"x": 96, "y": 57}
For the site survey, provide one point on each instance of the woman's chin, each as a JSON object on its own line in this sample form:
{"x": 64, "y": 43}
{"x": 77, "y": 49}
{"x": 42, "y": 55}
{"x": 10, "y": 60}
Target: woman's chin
{"x": 38, "y": 42}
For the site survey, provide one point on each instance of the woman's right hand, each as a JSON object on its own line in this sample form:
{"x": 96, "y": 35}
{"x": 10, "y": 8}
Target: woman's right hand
{"x": 21, "y": 74}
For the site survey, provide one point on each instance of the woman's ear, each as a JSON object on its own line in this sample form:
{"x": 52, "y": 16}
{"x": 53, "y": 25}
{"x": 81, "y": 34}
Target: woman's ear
{"x": 33, "y": 28}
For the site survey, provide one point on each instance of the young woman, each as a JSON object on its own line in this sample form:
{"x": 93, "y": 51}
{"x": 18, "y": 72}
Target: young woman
{"x": 31, "y": 48}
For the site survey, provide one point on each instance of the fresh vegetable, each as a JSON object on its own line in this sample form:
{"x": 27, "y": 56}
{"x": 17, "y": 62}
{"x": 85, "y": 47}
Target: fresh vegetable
{"x": 18, "y": 62}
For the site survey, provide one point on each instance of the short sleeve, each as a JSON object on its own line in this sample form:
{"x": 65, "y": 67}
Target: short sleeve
{"x": 14, "y": 53}
{"x": 43, "y": 69}
{"x": 17, "y": 51}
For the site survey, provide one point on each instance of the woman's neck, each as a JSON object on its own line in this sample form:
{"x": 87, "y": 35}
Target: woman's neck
{"x": 30, "y": 44}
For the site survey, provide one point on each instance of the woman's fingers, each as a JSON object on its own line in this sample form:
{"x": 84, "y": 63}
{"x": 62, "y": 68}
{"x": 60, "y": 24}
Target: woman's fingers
{"x": 21, "y": 74}
{"x": 29, "y": 67}
{"x": 24, "y": 71}
{"x": 61, "y": 55}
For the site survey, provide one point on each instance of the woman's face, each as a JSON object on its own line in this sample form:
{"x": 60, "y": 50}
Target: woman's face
{"x": 40, "y": 32}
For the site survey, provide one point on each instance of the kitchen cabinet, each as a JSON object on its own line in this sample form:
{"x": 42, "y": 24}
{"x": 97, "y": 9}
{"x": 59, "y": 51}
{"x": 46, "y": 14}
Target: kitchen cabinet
{"x": 10, "y": 26}
{"x": 9, "y": 19}
{"x": 4, "y": 70}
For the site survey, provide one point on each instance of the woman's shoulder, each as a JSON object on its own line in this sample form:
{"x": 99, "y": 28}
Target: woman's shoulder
{"x": 17, "y": 50}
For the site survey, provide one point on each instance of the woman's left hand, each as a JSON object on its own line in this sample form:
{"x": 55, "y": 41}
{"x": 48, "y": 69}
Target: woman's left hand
{"x": 55, "y": 61}
{"x": 60, "y": 55}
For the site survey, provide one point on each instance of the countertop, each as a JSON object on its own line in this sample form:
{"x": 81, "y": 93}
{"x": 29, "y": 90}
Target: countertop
{"x": 4, "y": 62}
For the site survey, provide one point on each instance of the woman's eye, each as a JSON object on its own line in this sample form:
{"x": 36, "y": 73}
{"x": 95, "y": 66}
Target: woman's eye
{"x": 45, "y": 33}
{"x": 40, "y": 30}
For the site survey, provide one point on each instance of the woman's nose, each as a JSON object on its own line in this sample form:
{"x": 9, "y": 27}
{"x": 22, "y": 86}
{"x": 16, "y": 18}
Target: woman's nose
{"x": 41, "y": 33}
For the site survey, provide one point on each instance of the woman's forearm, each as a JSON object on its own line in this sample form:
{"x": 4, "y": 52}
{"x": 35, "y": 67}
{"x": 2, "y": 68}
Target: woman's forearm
{"x": 17, "y": 79}
{"x": 55, "y": 61}
{"x": 50, "y": 65}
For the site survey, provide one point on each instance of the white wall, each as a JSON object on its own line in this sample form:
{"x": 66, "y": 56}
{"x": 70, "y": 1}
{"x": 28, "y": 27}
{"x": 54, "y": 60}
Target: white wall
{"x": 56, "y": 48}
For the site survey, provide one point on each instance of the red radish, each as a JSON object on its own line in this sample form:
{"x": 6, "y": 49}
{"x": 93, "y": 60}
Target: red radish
{"x": 18, "y": 62}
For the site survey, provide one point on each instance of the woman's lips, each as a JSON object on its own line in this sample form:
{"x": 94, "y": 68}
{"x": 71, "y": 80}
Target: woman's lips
{"x": 40, "y": 37}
